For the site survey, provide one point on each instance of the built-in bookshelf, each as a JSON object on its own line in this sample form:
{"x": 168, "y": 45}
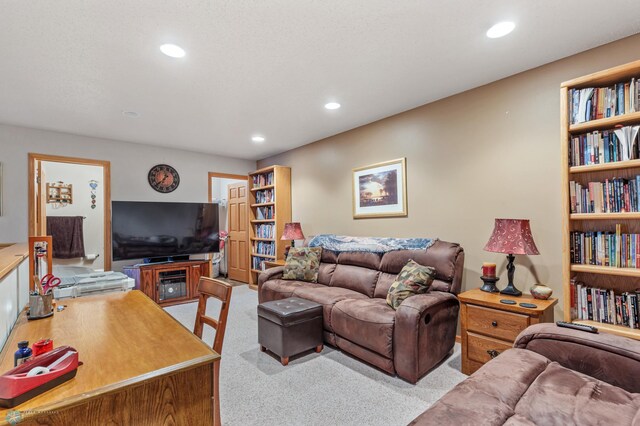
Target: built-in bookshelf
{"x": 600, "y": 119}
{"x": 270, "y": 202}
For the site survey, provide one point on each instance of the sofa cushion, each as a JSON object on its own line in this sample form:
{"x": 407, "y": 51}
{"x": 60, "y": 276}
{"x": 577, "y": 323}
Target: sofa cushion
{"x": 576, "y": 399}
{"x": 384, "y": 283}
{"x": 368, "y": 323}
{"x": 325, "y": 272}
{"x": 277, "y": 289}
{"x": 358, "y": 258}
{"x": 302, "y": 264}
{"x": 413, "y": 279}
{"x": 327, "y": 297}
{"x": 441, "y": 256}
{"x": 356, "y": 278}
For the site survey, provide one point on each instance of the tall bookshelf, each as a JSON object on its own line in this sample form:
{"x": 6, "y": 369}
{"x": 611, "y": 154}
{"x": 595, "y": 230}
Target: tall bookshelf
{"x": 270, "y": 209}
{"x": 619, "y": 279}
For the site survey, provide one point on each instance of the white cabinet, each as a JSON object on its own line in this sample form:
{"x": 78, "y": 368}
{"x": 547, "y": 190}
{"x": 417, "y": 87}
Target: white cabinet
{"x": 14, "y": 295}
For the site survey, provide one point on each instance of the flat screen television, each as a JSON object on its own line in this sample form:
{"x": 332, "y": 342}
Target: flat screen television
{"x": 157, "y": 230}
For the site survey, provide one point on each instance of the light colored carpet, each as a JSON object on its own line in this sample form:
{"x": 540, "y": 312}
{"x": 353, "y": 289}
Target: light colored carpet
{"x": 315, "y": 389}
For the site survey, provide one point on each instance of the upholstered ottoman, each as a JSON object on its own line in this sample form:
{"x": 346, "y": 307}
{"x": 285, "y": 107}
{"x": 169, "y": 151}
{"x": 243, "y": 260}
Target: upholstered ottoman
{"x": 289, "y": 326}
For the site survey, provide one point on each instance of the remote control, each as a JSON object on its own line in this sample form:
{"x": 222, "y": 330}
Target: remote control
{"x": 587, "y": 328}
{"x": 508, "y": 302}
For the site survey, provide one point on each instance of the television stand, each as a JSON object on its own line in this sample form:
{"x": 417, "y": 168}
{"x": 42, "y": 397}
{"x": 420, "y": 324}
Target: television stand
{"x": 166, "y": 259}
{"x": 170, "y": 282}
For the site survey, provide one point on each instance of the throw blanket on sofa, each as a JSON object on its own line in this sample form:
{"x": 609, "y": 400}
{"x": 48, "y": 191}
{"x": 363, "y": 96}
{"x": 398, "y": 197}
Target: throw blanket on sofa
{"x": 341, "y": 243}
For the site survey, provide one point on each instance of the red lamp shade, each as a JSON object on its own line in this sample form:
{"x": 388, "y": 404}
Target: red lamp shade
{"x": 292, "y": 231}
{"x": 512, "y": 236}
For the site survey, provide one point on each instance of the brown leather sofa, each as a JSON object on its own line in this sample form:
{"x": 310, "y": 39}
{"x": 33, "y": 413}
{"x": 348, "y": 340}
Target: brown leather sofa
{"x": 352, "y": 288}
{"x": 553, "y": 376}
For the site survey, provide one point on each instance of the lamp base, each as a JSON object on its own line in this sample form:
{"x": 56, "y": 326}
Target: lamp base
{"x": 489, "y": 284}
{"x": 511, "y": 290}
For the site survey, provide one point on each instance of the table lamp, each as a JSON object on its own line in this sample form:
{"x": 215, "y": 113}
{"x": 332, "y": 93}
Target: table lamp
{"x": 292, "y": 231}
{"x": 511, "y": 236}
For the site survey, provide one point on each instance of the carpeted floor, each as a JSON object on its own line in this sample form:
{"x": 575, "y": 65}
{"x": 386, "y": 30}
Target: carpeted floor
{"x": 315, "y": 389}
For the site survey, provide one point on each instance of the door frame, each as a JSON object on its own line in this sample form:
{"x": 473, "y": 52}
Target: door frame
{"x": 224, "y": 176}
{"x": 106, "y": 177}
{"x": 237, "y": 177}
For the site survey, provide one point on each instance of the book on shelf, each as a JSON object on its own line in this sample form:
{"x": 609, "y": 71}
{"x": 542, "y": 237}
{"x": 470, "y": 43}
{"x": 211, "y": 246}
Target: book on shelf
{"x": 258, "y": 263}
{"x": 263, "y": 213}
{"x": 266, "y": 248}
{"x": 265, "y": 230}
{"x": 616, "y": 195}
{"x": 614, "y": 249}
{"x": 604, "y": 305}
{"x": 262, "y": 179}
{"x": 593, "y": 103}
{"x": 606, "y": 146}
{"x": 265, "y": 196}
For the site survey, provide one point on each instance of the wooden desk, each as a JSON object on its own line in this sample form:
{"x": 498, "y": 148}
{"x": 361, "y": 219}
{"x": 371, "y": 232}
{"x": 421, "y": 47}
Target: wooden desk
{"x": 141, "y": 366}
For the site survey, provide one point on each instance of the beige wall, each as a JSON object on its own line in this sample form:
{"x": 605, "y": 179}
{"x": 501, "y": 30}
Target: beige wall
{"x": 493, "y": 151}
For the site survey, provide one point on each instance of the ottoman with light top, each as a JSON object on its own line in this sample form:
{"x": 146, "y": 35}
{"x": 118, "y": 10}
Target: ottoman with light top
{"x": 289, "y": 326}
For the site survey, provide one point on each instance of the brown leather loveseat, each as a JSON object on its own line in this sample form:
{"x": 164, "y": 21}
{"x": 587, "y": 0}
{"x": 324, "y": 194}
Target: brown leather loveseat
{"x": 352, "y": 288}
{"x": 553, "y": 377}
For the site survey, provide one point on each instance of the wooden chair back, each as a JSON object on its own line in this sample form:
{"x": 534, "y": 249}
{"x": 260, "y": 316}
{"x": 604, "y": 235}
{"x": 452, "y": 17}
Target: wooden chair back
{"x": 209, "y": 287}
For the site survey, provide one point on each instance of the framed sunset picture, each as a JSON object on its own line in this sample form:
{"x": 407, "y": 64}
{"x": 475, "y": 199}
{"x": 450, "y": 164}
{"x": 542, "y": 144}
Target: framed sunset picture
{"x": 380, "y": 190}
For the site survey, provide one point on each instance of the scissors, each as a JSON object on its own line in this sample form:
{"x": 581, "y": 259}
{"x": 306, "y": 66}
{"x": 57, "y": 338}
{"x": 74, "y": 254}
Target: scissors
{"x": 49, "y": 282}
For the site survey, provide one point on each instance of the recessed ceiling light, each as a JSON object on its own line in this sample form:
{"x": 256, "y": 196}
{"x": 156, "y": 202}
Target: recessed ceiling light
{"x": 131, "y": 114}
{"x": 257, "y": 139}
{"x": 500, "y": 29}
{"x": 172, "y": 50}
{"x": 332, "y": 105}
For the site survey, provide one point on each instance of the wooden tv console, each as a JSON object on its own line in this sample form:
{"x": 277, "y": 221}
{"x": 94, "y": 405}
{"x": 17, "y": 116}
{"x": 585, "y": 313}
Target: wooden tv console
{"x": 169, "y": 283}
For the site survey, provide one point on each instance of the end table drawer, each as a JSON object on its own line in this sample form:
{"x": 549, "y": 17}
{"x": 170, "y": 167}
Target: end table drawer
{"x": 495, "y": 323}
{"x": 483, "y": 349}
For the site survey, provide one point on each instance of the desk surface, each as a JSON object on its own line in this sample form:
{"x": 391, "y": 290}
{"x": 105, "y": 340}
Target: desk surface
{"x": 122, "y": 339}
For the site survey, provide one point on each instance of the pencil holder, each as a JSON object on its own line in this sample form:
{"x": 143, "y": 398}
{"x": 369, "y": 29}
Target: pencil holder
{"x": 40, "y": 306}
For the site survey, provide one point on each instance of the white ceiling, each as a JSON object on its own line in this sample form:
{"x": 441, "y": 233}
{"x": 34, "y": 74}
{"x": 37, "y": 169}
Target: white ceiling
{"x": 268, "y": 67}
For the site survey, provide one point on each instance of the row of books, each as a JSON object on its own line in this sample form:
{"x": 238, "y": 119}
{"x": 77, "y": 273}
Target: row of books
{"x": 262, "y": 247}
{"x": 262, "y": 179}
{"x": 265, "y": 230}
{"x": 605, "y": 249}
{"x": 601, "y": 102}
{"x": 611, "y": 196}
{"x": 257, "y": 263}
{"x": 265, "y": 212}
{"x": 601, "y": 147}
{"x": 602, "y": 305}
{"x": 265, "y": 196}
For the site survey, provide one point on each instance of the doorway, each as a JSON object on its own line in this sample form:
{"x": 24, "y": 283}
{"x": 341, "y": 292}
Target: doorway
{"x": 70, "y": 195}
{"x": 230, "y": 192}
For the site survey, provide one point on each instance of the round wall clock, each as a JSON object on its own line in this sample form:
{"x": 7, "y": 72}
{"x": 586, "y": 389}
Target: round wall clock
{"x": 164, "y": 178}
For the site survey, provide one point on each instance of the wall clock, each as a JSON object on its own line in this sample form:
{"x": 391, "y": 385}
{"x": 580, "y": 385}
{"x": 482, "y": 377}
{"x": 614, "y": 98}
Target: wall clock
{"x": 164, "y": 178}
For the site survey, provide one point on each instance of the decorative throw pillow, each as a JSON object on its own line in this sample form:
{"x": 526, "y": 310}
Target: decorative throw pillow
{"x": 302, "y": 264}
{"x": 413, "y": 279}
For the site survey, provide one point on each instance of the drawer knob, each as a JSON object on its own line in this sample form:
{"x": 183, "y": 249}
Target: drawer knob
{"x": 494, "y": 323}
{"x": 493, "y": 353}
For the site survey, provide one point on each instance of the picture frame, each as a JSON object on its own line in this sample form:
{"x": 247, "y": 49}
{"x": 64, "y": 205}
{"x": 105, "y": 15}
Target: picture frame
{"x": 380, "y": 190}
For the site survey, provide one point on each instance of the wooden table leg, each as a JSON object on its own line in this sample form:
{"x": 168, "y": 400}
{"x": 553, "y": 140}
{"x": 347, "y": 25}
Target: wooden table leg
{"x": 216, "y": 393}
{"x": 284, "y": 360}
{"x": 319, "y": 348}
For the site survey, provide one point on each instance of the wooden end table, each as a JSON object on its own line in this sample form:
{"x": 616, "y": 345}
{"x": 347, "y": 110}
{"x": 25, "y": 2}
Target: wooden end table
{"x": 490, "y": 327}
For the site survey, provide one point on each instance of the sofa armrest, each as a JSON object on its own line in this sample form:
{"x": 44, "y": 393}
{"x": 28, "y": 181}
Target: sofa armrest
{"x": 607, "y": 357}
{"x": 424, "y": 333}
{"x": 270, "y": 274}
